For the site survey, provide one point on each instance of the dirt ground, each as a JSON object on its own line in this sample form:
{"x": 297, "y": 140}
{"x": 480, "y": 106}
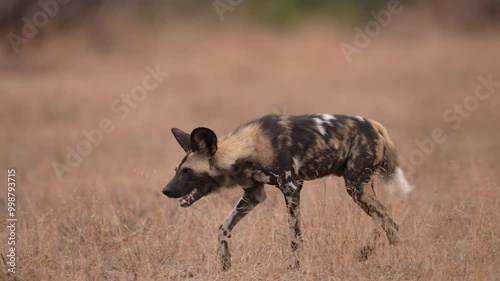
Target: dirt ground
{"x": 106, "y": 219}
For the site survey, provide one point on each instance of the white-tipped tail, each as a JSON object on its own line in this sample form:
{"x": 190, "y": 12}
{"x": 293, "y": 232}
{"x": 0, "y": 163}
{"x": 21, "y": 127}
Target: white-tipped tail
{"x": 397, "y": 184}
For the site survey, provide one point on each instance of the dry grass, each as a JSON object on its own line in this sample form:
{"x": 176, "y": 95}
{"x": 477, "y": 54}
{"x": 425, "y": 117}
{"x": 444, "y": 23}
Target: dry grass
{"x": 107, "y": 220}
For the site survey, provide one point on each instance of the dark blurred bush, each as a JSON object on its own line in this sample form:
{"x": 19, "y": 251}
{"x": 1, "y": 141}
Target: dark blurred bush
{"x": 269, "y": 11}
{"x": 469, "y": 14}
{"x": 287, "y": 11}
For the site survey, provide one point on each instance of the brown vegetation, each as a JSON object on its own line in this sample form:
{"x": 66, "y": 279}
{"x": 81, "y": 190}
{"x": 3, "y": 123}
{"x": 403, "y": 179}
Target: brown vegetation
{"x": 107, "y": 219}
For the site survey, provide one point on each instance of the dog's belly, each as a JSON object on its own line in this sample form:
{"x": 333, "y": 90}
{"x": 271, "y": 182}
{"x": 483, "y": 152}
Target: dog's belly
{"x": 265, "y": 177}
{"x": 320, "y": 165}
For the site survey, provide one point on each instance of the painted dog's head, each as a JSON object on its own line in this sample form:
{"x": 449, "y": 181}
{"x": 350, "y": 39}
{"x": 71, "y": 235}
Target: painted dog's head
{"x": 195, "y": 176}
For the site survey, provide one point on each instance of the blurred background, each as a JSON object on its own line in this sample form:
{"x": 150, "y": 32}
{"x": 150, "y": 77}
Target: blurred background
{"x": 90, "y": 89}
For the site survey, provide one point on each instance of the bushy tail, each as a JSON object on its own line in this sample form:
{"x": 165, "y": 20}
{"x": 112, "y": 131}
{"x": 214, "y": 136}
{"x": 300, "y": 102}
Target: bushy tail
{"x": 397, "y": 184}
{"x": 392, "y": 176}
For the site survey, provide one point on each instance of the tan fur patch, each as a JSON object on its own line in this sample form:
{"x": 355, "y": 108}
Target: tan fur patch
{"x": 319, "y": 148}
{"x": 335, "y": 143}
{"x": 321, "y": 144}
{"x": 248, "y": 142}
{"x": 196, "y": 162}
{"x": 380, "y": 150}
{"x": 384, "y": 136}
{"x": 349, "y": 123}
{"x": 383, "y": 131}
{"x": 286, "y": 137}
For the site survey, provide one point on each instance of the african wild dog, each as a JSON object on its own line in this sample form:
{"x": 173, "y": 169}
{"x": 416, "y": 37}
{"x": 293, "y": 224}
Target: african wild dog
{"x": 283, "y": 151}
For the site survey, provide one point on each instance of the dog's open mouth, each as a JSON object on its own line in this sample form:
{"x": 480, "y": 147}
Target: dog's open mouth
{"x": 190, "y": 198}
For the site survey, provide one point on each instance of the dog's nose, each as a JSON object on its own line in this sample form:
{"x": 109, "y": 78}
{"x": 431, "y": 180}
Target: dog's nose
{"x": 166, "y": 191}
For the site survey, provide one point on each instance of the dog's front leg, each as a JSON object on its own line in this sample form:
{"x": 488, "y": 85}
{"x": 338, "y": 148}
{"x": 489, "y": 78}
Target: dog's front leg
{"x": 253, "y": 196}
{"x": 292, "y": 201}
{"x": 290, "y": 185}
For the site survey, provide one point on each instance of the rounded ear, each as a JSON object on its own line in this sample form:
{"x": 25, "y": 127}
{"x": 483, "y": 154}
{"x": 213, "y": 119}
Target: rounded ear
{"x": 182, "y": 138}
{"x": 203, "y": 141}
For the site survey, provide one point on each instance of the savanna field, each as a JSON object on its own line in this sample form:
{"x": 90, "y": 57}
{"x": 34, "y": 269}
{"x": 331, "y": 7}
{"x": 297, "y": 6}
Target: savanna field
{"x": 104, "y": 217}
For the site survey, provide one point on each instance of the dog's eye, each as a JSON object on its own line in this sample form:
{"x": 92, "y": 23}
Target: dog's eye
{"x": 186, "y": 171}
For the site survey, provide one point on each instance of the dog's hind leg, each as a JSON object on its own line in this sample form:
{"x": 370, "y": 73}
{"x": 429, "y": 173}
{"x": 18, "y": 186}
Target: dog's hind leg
{"x": 366, "y": 202}
{"x": 361, "y": 191}
{"x": 253, "y": 196}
